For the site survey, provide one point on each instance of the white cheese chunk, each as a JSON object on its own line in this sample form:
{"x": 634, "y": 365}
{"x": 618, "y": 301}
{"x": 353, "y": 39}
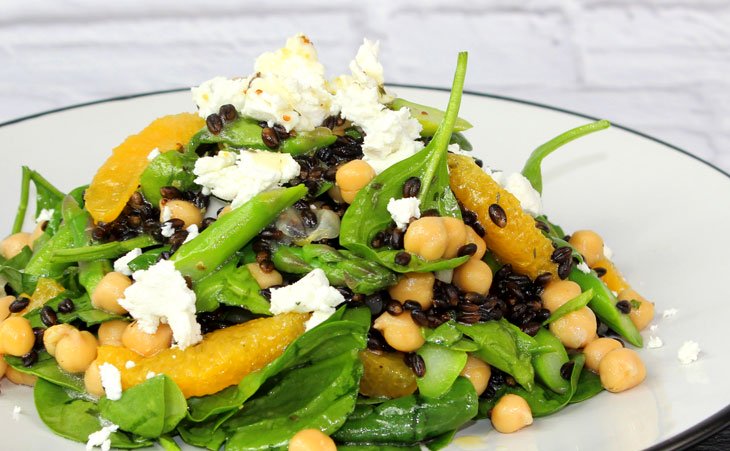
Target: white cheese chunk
{"x": 154, "y": 153}
{"x": 122, "y": 263}
{"x": 518, "y": 185}
{"x": 165, "y": 214}
{"x": 402, "y": 210}
{"x": 655, "y": 342}
{"x": 582, "y": 267}
{"x": 216, "y": 92}
{"x": 688, "y": 352}
{"x": 167, "y": 230}
{"x": 44, "y": 215}
{"x": 238, "y": 178}
{"x": 192, "y": 233}
{"x": 160, "y": 294}
{"x": 312, "y": 293}
{"x": 101, "y": 438}
{"x": 668, "y": 313}
{"x": 111, "y": 381}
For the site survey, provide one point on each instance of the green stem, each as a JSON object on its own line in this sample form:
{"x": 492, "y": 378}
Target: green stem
{"x": 532, "y": 170}
{"x": 102, "y": 251}
{"x": 23, "y": 206}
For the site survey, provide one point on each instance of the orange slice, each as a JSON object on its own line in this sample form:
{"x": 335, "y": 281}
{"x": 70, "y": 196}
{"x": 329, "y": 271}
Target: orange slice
{"x": 613, "y": 278}
{"x": 519, "y": 242}
{"x": 45, "y": 290}
{"x": 222, "y": 359}
{"x": 386, "y": 375}
{"x": 117, "y": 179}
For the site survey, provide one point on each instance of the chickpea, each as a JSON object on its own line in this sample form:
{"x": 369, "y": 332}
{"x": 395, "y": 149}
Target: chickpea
{"x": 19, "y": 378}
{"x": 576, "y": 329}
{"x": 510, "y": 414}
{"x": 478, "y": 372}
{"x": 621, "y": 369}
{"x": 5, "y": 302}
{"x": 76, "y": 351}
{"x": 3, "y": 366}
{"x": 336, "y": 194}
{"x": 146, "y": 344}
{"x": 311, "y": 440}
{"x": 108, "y": 292}
{"x": 474, "y": 275}
{"x": 589, "y": 244}
{"x": 644, "y": 314}
{"x": 12, "y": 245}
{"x": 426, "y": 237}
{"x": 40, "y": 228}
{"x": 473, "y": 237}
{"x": 16, "y": 336}
{"x": 351, "y": 177}
{"x": 597, "y": 349}
{"x": 92, "y": 380}
{"x": 110, "y": 332}
{"x": 54, "y": 334}
{"x": 558, "y": 292}
{"x": 414, "y": 286}
{"x": 455, "y": 234}
{"x": 401, "y": 332}
{"x": 265, "y": 280}
{"x": 183, "y": 210}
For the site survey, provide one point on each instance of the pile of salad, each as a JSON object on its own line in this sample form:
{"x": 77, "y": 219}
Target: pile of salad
{"x": 312, "y": 264}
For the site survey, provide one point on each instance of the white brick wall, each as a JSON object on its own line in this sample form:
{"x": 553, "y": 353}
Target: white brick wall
{"x": 661, "y": 66}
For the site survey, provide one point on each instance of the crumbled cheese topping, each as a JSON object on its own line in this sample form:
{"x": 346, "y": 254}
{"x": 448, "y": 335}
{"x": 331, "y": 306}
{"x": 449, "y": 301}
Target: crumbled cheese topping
{"x": 402, "y": 210}
{"x": 122, "y": 263}
{"x": 111, "y": 381}
{"x": 192, "y": 233}
{"x": 518, "y": 185}
{"x": 312, "y": 293}
{"x": 160, "y": 294}
{"x": 668, "y": 313}
{"x": 167, "y": 230}
{"x": 101, "y": 437}
{"x": 154, "y": 153}
{"x": 166, "y": 213}
{"x": 456, "y": 149}
{"x": 16, "y": 412}
{"x": 238, "y": 178}
{"x": 44, "y": 215}
{"x": 211, "y": 95}
{"x": 653, "y": 328}
{"x": 688, "y": 352}
{"x": 655, "y": 342}
{"x": 582, "y": 267}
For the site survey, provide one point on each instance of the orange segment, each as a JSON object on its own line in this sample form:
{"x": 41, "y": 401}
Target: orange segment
{"x": 222, "y": 359}
{"x": 45, "y": 290}
{"x": 613, "y": 278}
{"x": 386, "y": 374}
{"x": 519, "y": 243}
{"x": 118, "y": 177}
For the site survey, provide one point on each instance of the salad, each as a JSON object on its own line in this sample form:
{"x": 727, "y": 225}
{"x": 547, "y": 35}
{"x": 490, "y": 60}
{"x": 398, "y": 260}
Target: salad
{"x": 308, "y": 264}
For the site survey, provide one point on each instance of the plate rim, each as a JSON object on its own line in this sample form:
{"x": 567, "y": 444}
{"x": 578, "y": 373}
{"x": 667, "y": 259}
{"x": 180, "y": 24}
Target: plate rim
{"x": 709, "y": 426}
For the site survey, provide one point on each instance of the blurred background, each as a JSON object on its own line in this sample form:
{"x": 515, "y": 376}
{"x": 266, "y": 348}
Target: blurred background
{"x": 660, "y": 66}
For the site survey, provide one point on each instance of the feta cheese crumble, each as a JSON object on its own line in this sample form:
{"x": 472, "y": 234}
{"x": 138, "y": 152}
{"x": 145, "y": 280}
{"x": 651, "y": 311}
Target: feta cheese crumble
{"x": 582, "y": 267}
{"x": 518, "y": 185}
{"x": 44, "y": 215}
{"x": 688, "y": 352}
{"x": 653, "y": 328}
{"x": 154, "y": 153}
{"x": 160, "y": 294}
{"x": 192, "y": 233}
{"x": 238, "y": 178}
{"x": 655, "y": 342}
{"x": 16, "y": 412}
{"x": 166, "y": 214}
{"x": 211, "y": 95}
{"x": 122, "y": 263}
{"x": 668, "y": 313}
{"x": 101, "y": 438}
{"x": 402, "y": 210}
{"x": 167, "y": 230}
{"x": 111, "y": 381}
{"x": 312, "y": 293}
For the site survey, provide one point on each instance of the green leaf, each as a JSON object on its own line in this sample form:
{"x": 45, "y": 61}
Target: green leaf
{"x": 572, "y": 305}
{"x": 111, "y": 250}
{"x": 171, "y": 168}
{"x": 533, "y": 166}
{"x": 443, "y": 366}
{"x": 12, "y": 270}
{"x": 589, "y": 385}
{"x": 230, "y": 285}
{"x": 150, "y": 409}
{"x": 368, "y": 214}
{"x": 46, "y": 368}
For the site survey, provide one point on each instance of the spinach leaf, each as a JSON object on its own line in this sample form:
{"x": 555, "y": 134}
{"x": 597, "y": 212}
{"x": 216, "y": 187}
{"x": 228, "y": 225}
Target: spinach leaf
{"x": 83, "y": 310}
{"x": 443, "y": 366}
{"x": 230, "y": 285}
{"x": 368, "y": 214}
{"x": 505, "y": 347}
{"x": 343, "y": 268}
{"x": 150, "y": 409}
{"x": 171, "y": 168}
{"x": 72, "y": 416}
{"x": 410, "y": 419}
{"x": 168, "y": 444}
{"x": 147, "y": 259}
{"x": 589, "y": 385}
{"x": 12, "y": 269}
{"x": 548, "y": 365}
{"x": 47, "y": 196}
{"x": 46, "y": 368}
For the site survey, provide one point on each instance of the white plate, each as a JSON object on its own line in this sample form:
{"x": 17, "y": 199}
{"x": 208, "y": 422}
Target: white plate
{"x": 665, "y": 215}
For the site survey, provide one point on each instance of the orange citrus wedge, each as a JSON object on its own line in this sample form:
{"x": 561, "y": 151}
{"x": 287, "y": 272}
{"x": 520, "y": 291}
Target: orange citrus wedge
{"x": 222, "y": 359}
{"x": 519, "y": 242}
{"x": 117, "y": 179}
{"x": 45, "y": 290}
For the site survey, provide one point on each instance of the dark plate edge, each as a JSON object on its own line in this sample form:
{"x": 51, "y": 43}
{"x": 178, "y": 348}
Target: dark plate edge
{"x": 683, "y": 440}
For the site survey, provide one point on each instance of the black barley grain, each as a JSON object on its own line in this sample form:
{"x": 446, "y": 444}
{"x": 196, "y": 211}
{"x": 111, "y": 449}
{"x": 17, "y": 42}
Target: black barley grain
{"x": 214, "y": 123}
{"x": 498, "y": 216}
